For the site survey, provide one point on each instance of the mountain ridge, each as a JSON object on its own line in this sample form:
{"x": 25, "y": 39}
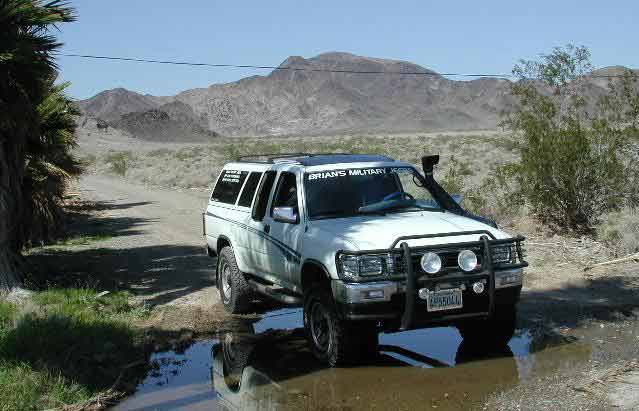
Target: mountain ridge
{"x": 312, "y": 101}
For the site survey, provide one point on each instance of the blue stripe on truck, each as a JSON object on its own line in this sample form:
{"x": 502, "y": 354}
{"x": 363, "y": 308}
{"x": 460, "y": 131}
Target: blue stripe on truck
{"x": 290, "y": 253}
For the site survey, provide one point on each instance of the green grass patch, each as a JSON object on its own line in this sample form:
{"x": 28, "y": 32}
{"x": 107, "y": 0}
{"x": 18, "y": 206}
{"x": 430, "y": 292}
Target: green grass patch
{"x": 72, "y": 346}
{"x": 23, "y": 388}
{"x": 7, "y": 314}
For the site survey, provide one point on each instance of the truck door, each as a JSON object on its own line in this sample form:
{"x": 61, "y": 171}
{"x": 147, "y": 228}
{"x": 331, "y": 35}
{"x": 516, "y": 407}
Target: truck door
{"x": 256, "y": 232}
{"x": 284, "y": 235}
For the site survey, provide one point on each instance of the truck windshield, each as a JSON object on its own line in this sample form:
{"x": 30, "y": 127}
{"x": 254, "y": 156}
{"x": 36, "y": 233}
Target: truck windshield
{"x": 378, "y": 190}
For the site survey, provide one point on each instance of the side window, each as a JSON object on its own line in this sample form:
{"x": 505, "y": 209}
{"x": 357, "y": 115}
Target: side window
{"x": 246, "y": 198}
{"x": 286, "y": 195}
{"x": 263, "y": 193}
{"x": 228, "y": 186}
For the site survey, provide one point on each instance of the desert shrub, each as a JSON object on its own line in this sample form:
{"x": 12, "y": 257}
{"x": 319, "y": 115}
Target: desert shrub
{"x": 119, "y": 162}
{"x": 620, "y": 230}
{"x": 160, "y": 152}
{"x": 453, "y": 180}
{"x": 231, "y": 152}
{"x": 578, "y": 152}
{"x": 88, "y": 160}
{"x": 498, "y": 196}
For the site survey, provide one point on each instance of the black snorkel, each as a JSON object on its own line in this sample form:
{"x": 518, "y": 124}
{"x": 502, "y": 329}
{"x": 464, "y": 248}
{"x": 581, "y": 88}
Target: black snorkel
{"x": 444, "y": 199}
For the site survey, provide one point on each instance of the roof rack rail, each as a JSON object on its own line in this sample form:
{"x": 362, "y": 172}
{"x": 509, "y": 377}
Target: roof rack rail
{"x": 271, "y": 157}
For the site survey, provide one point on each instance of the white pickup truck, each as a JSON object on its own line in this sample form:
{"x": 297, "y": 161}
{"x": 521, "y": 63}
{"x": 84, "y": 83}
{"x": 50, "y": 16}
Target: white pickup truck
{"x": 366, "y": 244}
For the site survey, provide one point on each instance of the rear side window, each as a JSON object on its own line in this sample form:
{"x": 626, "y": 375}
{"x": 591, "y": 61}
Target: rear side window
{"x": 228, "y": 186}
{"x": 246, "y": 198}
{"x": 259, "y": 208}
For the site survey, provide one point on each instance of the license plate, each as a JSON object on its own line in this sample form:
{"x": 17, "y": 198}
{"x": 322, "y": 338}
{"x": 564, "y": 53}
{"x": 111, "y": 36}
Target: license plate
{"x": 444, "y": 300}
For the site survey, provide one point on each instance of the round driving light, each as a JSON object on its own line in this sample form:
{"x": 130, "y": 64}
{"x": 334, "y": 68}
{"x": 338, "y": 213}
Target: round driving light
{"x": 478, "y": 288}
{"x": 467, "y": 260}
{"x": 431, "y": 263}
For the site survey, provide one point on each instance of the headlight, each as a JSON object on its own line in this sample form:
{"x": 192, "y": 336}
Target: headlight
{"x": 467, "y": 260}
{"x": 350, "y": 266}
{"x": 431, "y": 263}
{"x": 354, "y": 266}
{"x": 502, "y": 254}
{"x": 370, "y": 265}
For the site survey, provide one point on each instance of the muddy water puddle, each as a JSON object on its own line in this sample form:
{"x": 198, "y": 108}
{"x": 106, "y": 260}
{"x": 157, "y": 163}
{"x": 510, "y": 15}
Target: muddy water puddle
{"x": 266, "y": 365}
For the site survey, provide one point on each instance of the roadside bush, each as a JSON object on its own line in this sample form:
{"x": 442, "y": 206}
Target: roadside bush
{"x": 498, "y": 197}
{"x": 620, "y": 230}
{"x": 119, "y": 162}
{"x": 231, "y": 152}
{"x": 578, "y": 150}
{"x": 453, "y": 180}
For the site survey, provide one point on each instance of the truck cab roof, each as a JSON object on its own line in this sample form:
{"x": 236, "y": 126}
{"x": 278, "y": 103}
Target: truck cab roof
{"x": 313, "y": 161}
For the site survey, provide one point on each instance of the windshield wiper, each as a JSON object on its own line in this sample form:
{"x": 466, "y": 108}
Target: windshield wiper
{"x": 340, "y": 214}
{"x": 416, "y": 208}
{"x": 383, "y": 206}
{"x": 332, "y": 214}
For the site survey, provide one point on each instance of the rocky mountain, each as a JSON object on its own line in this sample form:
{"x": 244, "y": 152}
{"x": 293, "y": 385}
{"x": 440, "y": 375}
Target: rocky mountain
{"x": 174, "y": 121}
{"x": 313, "y": 102}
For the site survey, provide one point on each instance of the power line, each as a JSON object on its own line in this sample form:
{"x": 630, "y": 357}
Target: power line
{"x": 187, "y": 63}
{"x": 317, "y": 70}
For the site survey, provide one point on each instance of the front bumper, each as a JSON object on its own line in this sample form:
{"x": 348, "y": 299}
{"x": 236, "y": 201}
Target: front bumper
{"x": 386, "y": 301}
{"x": 397, "y": 303}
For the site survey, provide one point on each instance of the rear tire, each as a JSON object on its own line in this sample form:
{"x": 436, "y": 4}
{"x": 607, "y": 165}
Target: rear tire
{"x": 335, "y": 341}
{"x": 235, "y": 292}
{"x": 495, "y": 331}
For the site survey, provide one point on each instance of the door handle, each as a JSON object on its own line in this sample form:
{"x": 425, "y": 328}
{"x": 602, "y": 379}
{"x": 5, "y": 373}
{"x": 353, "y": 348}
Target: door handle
{"x": 267, "y": 228}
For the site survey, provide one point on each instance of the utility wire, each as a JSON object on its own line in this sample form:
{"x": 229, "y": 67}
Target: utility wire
{"x": 187, "y": 63}
{"x": 319, "y": 70}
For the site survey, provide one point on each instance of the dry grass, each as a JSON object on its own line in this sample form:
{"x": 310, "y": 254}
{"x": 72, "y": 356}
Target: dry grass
{"x": 620, "y": 230}
{"x": 196, "y": 166}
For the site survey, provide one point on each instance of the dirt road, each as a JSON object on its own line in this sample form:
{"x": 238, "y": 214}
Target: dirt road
{"x": 157, "y": 245}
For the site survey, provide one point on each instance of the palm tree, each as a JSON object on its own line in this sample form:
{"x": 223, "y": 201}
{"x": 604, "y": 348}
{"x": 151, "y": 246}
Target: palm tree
{"x": 26, "y": 67}
{"x": 49, "y": 165}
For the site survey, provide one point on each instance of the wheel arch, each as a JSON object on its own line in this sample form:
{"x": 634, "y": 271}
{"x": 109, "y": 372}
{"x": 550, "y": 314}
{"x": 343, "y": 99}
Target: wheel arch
{"x": 222, "y": 241}
{"x": 313, "y": 272}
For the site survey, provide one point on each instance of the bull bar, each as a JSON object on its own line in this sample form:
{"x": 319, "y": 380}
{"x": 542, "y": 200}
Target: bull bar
{"x": 486, "y": 243}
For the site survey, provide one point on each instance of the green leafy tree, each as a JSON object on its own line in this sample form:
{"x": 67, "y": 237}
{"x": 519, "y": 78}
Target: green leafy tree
{"x": 578, "y": 146}
{"x": 26, "y": 69}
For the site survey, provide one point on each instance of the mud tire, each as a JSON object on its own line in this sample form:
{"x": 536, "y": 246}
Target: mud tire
{"x": 235, "y": 292}
{"x": 496, "y": 331}
{"x": 346, "y": 342}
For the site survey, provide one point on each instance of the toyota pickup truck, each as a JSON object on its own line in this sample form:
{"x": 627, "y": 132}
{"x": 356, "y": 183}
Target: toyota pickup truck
{"x": 366, "y": 244}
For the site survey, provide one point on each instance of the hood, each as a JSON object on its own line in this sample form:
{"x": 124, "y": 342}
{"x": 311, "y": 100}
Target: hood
{"x": 370, "y": 232}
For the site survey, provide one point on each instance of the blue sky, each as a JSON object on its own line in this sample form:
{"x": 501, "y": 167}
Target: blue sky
{"x": 446, "y": 36}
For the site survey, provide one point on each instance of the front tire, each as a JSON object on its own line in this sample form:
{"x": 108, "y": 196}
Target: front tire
{"x": 235, "y": 292}
{"x": 495, "y": 331}
{"x": 335, "y": 341}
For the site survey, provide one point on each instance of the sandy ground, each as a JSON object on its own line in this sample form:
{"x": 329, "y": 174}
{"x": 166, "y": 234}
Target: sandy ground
{"x": 156, "y": 250}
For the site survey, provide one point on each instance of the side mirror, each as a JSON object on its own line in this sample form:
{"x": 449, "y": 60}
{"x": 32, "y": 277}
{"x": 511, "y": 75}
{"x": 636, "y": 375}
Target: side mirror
{"x": 285, "y": 215}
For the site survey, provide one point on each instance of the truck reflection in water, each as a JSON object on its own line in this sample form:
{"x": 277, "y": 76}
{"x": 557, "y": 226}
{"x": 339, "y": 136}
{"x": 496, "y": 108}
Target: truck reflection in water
{"x": 275, "y": 370}
{"x": 266, "y": 365}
